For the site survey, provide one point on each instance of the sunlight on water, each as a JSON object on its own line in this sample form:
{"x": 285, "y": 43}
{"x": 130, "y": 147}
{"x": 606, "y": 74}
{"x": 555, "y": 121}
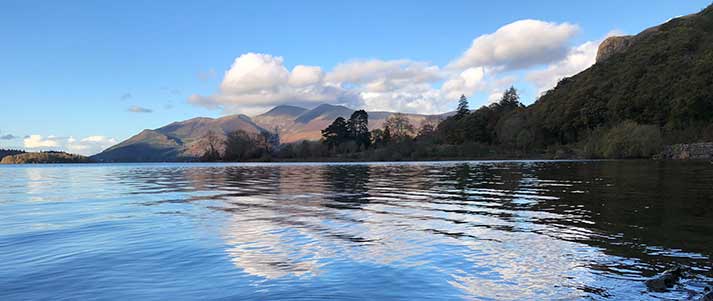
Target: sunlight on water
{"x": 460, "y": 230}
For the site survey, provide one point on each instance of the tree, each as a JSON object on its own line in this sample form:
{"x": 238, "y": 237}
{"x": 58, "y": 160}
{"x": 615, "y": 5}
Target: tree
{"x": 462, "y": 110}
{"x": 335, "y": 133}
{"x": 358, "y": 128}
{"x": 399, "y": 126}
{"x": 240, "y": 145}
{"x": 510, "y": 99}
{"x": 211, "y": 144}
{"x": 269, "y": 142}
{"x": 427, "y": 129}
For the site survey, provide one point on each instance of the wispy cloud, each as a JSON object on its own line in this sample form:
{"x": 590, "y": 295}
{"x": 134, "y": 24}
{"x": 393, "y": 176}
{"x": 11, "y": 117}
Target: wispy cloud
{"x": 8, "y": 137}
{"x": 206, "y": 75}
{"x": 138, "y": 109}
{"x": 126, "y": 96}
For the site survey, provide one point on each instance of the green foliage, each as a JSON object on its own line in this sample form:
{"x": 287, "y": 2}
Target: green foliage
{"x": 481, "y": 125}
{"x": 462, "y": 110}
{"x": 664, "y": 78}
{"x": 358, "y": 129}
{"x": 625, "y": 140}
{"x": 336, "y": 133}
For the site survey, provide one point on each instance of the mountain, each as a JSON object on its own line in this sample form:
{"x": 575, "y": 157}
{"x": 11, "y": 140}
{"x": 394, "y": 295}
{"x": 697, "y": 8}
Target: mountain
{"x": 308, "y": 124}
{"x": 185, "y": 140}
{"x": 662, "y": 77}
{"x": 178, "y": 141}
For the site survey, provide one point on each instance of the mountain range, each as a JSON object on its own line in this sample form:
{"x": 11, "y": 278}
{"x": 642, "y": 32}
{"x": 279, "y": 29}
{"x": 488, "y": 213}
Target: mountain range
{"x": 183, "y": 140}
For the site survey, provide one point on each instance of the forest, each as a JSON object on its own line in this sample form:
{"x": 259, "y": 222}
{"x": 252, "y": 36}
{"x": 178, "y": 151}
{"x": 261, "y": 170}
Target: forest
{"x": 505, "y": 129}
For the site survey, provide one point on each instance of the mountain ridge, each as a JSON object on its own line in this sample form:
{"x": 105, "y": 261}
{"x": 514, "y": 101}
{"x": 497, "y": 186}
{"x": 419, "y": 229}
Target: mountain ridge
{"x": 184, "y": 140}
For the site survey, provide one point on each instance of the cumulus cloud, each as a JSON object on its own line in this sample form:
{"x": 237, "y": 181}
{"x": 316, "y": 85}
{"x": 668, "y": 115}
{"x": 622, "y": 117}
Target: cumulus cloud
{"x": 37, "y": 141}
{"x": 89, "y": 145}
{"x": 8, "y": 137}
{"x": 365, "y": 71}
{"x": 395, "y": 85}
{"x": 577, "y": 59}
{"x": 255, "y": 82}
{"x": 302, "y": 76}
{"x": 464, "y": 83}
{"x": 138, "y": 109}
{"x": 85, "y": 146}
{"x": 520, "y": 44}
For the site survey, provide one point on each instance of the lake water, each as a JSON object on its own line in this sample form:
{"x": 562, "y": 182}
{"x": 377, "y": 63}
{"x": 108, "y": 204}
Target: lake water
{"x": 405, "y": 231}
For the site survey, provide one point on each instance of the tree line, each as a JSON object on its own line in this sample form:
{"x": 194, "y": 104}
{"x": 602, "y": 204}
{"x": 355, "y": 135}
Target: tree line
{"x": 503, "y": 129}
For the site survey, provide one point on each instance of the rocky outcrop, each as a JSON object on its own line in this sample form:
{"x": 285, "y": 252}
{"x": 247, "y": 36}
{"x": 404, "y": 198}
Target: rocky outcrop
{"x": 613, "y": 45}
{"x": 693, "y": 151}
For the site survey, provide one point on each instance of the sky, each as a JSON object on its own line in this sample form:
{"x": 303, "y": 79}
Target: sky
{"x": 80, "y": 76}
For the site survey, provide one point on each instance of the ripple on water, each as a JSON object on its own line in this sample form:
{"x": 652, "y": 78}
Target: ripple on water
{"x": 471, "y": 230}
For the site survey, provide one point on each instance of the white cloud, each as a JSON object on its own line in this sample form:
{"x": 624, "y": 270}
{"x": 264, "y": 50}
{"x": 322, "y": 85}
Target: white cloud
{"x": 85, "y": 146}
{"x": 89, "y": 145}
{"x": 37, "y": 141}
{"x": 255, "y": 73}
{"x": 256, "y": 82}
{"x": 464, "y": 83}
{"x": 138, "y": 109}
{"x": 396, "y": 85}
{"x": 520, "y": 44}
{"x": 302, "y": 76}
{"x": 365, "y": 71}
{"x": 578, "y": 59}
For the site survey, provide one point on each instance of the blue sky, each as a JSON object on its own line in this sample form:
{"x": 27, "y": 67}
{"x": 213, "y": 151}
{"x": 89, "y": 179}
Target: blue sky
{"x": 80, "y": 75}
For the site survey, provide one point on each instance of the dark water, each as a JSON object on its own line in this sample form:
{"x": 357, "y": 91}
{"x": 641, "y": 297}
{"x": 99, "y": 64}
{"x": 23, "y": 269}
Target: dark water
{"x": 467, "y": 230}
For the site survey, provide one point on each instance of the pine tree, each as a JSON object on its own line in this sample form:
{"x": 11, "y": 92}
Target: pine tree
{"x": 462, "y": 110}
{"x": 335, "y": 133}
{"x": 358, "y": 128}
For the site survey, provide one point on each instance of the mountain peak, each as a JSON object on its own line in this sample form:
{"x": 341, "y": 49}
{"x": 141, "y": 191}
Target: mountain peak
{"x": 285, "y": 110}
{"x": 326, "y": 111}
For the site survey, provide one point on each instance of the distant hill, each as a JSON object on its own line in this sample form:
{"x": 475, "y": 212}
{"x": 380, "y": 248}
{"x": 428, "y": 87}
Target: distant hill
{"x": 178, "y": 141}
{"x": 9, "y": 152}
{"x": 184, "y": 140}
{"x": 44, "y": 157}
{"x": 662, "y": 76}
{"x": 308, "y": 124}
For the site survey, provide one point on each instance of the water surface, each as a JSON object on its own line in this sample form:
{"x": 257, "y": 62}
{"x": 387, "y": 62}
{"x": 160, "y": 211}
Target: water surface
{"x": 456, "y": 230}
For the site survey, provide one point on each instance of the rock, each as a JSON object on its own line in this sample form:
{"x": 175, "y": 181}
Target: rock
{"x": 707, "y": 294}
{"x": 665, "y": 280}
{"x": 693, "y": 151}
{"x": 613, "y": 45}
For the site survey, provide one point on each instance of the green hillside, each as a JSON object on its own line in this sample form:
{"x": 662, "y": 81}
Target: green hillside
{"x": 664, "y": 78}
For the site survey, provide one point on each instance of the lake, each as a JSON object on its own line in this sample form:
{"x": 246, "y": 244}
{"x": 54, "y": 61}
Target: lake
{"x": 509, "y": 230}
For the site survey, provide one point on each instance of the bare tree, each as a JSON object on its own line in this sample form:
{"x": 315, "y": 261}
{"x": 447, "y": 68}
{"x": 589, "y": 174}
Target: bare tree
{"x": 211, "y": 147}
{"x": 399, "y": 126}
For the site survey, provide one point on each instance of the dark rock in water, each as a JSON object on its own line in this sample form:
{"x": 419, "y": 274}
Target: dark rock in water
{"x": 665, "y": 280}
{"x": 707, "y": 294}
